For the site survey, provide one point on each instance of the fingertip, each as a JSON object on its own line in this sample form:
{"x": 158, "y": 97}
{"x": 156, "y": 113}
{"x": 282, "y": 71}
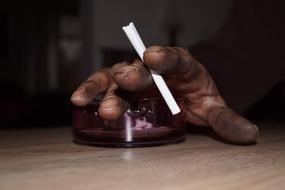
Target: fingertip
{"x": 235, "y": 129}
{"x": 110, "y": 114}
{"x": 153, "y": 49}
{"x": 112, "y": 108}
{"x": 78, "y": 98}
{"x": 164, "y": 60}
{"x": 251, "y": 134}
{"x": 153, "y": 53}
{"x": 89, "y": 89}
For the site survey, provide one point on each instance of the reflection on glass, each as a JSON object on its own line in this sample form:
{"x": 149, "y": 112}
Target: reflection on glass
{"x": 148, "y": 122}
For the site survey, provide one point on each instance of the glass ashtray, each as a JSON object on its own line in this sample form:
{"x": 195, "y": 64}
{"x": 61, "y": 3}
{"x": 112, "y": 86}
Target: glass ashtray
{"x": 148, "y": 122}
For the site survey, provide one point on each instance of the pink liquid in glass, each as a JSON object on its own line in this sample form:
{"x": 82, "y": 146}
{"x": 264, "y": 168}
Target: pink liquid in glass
{"x": 148, "y": 122}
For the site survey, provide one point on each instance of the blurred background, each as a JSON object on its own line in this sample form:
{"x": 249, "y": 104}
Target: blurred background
{"x": 47, "y": 48}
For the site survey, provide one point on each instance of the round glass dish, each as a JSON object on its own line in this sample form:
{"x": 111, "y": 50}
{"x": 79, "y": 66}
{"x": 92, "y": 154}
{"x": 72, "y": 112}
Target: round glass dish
{"x": 149, "y": 122}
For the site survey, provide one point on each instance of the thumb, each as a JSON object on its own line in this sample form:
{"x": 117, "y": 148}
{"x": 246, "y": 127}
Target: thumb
{"x": 232, "y": 127}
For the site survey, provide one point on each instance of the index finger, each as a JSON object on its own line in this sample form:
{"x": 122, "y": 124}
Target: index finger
{"x": 170, "y": 60}
{"x": 89, "y": 89}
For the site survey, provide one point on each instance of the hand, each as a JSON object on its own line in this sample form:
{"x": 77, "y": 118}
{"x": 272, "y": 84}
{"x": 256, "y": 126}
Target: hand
{"x": 204, "y": 105}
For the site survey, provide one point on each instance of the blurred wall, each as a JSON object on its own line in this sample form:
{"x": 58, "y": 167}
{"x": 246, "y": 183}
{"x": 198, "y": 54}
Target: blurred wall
{"x": 192, "y": 20}
{"x": 36, "y": 78}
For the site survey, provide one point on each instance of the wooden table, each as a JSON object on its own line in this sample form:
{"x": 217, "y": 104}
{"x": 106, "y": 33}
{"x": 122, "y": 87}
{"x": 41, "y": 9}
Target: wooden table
{"x": 39, "y": 159}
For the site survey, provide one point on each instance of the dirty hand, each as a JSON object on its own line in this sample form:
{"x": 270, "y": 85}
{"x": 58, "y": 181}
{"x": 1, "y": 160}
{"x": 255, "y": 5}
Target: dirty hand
{"x": 182, "y": 73}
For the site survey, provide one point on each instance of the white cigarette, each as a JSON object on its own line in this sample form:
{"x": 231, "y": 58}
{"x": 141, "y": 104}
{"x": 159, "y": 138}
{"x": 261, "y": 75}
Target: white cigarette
{"x": 136, "y": 41}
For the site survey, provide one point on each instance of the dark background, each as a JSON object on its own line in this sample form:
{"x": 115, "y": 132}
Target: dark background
{"x": 47, "y": 48}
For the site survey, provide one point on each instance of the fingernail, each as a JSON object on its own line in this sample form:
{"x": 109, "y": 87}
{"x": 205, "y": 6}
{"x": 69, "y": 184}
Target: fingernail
{"x": 78, "y": 95}
{"x": 153, "y": 49}
{"x": 109, "y": 105}
{"x": 252, "y": 132}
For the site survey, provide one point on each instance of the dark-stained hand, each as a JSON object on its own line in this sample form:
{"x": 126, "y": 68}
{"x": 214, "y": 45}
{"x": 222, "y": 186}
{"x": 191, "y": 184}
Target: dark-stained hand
{"x": 204, "y": 105}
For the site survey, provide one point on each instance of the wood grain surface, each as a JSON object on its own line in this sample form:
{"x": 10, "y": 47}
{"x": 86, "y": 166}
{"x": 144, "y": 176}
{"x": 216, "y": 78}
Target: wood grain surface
{"x": 44, "y": 159}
